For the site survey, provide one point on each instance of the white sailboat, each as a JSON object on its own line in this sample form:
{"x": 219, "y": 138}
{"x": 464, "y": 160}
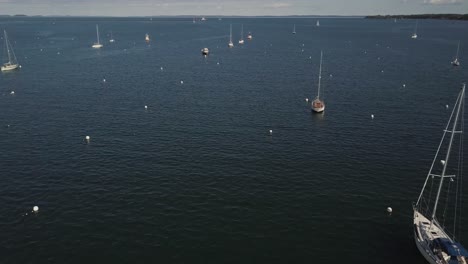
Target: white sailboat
{"x": 230, "y": 45}
{"x": 97, "y": 45}
{"x": 111, "y": 40}
{"x": 294, "y": 29}
{"x": 431, "y": 235}
{"x": 147, "y": 38}
{"x": 415, "y": 34}
{"x": 12, "y": 62}
{"x": 241, "y": 40}
{"x": 318, "y": 23}
{"x": 249, "y": 36}
{"x": 318, "y": 105}
{"x": 205, "y": 51}
{"x": 456, "y": 62}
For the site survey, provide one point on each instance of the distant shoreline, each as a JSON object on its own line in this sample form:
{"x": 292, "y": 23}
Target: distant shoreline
{"x": 422, "y": 16}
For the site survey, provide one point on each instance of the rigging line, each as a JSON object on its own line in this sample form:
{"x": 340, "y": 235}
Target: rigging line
{"x": 461, "y": 166}
{"x": 438, "y": 149}
{"x": 446, "y": 202}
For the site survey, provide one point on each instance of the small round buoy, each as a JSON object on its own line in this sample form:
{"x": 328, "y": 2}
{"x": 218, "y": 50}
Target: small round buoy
{"x": 12, "y": 92}
{"x": 88, "y": 138}
{"x": 310, "y": 57}
{"x": 58, "y": 53}
{"x": 271, "y": 132}
{"x": 381, "y": 71}
{"x": 302, "y": 44}
{"x": 104, "y": 80}
{"x": 404, "y": 85}
{"x": 162, "y": 68}
{"x": 36, "y": 208}
{"x": 372, "y": 116}
{"x": 446, "y": 106}
{"x": 20, "y": 66}
{"x": 389, "y": 210}
{"x": 146, "y": 107}
{"x": 181, "y": 82}
{"x": 217, "y": 63}
{"x": 301, "y": 50}
{"x": 307, "y": 99}
{"x": 331, "y": 75}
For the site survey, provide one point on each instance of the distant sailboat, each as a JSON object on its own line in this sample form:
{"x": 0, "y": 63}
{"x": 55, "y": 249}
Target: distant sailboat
{"x": 147, "y": 38}
{"x": 318, "y": 23}
{"x": 430, "y": 230}
{"x": 241, "y": 40}
{"x": 230, "y": 45}
{"x": 249, "y": 36}
{"x": 294, "y": 29}
{"x": 318, "y": 105}
{"x": 12, "y": 62}
{"x": 203, "y": 19}
{"x": 97, "y": 45}
{"x": 456, "y": 62}
{"x": 111, "y": 40}
{"x": 415, "y": 34}
{"x": 205, "y": 51}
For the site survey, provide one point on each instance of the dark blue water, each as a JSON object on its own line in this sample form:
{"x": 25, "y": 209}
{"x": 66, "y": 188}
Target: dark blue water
{"x": 196, "y": 178}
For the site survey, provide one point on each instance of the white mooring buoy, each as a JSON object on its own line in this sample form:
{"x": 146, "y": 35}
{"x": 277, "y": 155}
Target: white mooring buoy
{"x": 271, "y": 132}
{"x": 162, "y": 68}
{"x": 146, "y": 107}
{"x": 307, "y": 99}
{"x": 104, "y": 80}
{"x": 181, "y": 82}
{"x": 36, "y": 208}
{"x": 389, "y": 210}
{"x": 372, "y": 116}
{"x": 404, "y": 85}
{"x": 88, "y": 138}
{"x": 12, "y": 92}
{"x": 446, "y": 106}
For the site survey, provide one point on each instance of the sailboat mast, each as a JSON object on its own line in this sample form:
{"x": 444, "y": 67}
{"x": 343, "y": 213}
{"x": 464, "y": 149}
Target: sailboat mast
{"x": 230, "y": 32}
{"x": 320, "y": 74}
{"x": 7, "y": 46}
{"x": 458, "y": 48}
{"x": 447, "y": 156}
{"x": 97, "y": 33}
{"x": 242, "y": 31}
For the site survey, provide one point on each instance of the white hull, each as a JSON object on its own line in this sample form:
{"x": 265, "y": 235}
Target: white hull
{"x": 230, "y": 45}
{"x": 111, "y": 40}
{"x": 456, "y": 62}
{"x": 205, "y": 51}
{"x": 10, "y": 67}
{"x": 249, "y": 37}
{"x": 318, "y": 109}
{"x": 97, "y": 46}
{"x": 241, "y": 41}
{"x": 414, "y": 36}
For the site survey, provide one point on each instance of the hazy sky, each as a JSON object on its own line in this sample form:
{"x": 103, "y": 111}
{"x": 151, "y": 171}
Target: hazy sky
{"x": 229, "y": 7}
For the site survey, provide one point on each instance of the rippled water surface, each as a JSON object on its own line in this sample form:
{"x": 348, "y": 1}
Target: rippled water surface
{"x": 196, "y": 177}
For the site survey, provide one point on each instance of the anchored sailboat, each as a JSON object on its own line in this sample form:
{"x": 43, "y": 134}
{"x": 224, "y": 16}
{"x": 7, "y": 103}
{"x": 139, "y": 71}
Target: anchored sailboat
{"x": 241, "y": 40}
{"x": 431, "y": 235}
{"x": 456, "y": 62}
{"x": 111, "y": 40}
{"x": 97, "y": 45}
{"x": 230, "y": 37}
{"x": 11, "y": 63}
{"x": 147, "y": 38}
{"x": 318, "y": 105}
{"x": 415, "y": 34}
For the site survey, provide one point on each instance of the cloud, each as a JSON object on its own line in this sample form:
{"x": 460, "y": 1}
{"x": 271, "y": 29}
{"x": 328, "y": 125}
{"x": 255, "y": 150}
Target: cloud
{"x": 442, "y": 2}
{"x": 278, "y": 5}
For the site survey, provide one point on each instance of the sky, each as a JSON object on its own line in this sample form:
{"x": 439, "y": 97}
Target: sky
{"x": 229, "y": 7}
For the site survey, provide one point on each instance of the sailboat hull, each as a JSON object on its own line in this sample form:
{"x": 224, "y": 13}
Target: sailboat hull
{"x": 10, "y": 67}
{"x": 97, "y": 46}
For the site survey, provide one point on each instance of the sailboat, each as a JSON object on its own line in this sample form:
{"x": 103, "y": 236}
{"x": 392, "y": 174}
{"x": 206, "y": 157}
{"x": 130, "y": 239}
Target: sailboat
{"x": 241, "y": 40}
{"x": 456, "y": 62}
{"x": 318, "y": 105}
{"x": 147, "y": 38}
{"x": 318, "y": 23}
{"x": 97, "y": 45}
{"x": 415, "y": 35}
{"x": 249, "y": 36}
{"x": 431, "y": 235}
{"x": 12, "y": 63}
{"x": 230, "y": 37}
{"x": 294, "y": 29}
{"x": 205, "y": 51}
{"x": 111, "y": 40}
